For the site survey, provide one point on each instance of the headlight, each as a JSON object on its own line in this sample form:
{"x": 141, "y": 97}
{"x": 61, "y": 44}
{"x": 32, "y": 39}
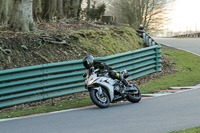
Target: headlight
{"x": 90, "y": 82}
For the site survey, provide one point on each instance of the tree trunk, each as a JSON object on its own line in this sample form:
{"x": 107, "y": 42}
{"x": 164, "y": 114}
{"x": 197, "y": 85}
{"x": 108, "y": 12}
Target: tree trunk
{"x": 76, "y": 8}
{"x": 79, "y": 9}
{"x": 67, "y": 7}
{"x": 22, "y": 18}
{"x": 5, "y": 11}
{"x": 37, "y": 10}
{"x": 46, "y": 4}
{"x": 50, "y": 10}
{"x": 88, "y": 9}
{"x": 72, "y": 8}
{"x": 146, "y": 13}
{"x": 60, "y": 13}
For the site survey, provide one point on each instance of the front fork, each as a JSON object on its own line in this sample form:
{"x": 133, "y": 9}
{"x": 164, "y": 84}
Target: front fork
{"x": 100, "y": 92}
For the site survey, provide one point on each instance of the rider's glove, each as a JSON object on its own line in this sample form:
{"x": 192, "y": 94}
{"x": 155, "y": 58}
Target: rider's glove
{"x": 85, "y": 75}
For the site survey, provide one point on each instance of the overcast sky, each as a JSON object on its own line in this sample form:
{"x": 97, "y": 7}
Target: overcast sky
{"x": 185, "y": 15}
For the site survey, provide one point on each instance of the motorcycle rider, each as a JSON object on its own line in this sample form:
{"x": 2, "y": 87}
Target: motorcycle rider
{"x": 89, "y": 62}
{"x": 141, "y": 30}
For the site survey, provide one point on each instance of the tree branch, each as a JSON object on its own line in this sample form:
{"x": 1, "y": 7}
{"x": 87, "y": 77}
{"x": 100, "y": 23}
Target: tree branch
{"x": 6, "y": 51}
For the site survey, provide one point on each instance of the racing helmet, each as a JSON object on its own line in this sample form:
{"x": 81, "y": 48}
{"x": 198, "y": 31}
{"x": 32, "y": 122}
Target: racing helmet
{"x": 88, "y": 61}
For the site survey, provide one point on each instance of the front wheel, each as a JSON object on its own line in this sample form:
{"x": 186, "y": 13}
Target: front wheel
{"x": 102, "y": 100}
{"x": 134, "y": 97}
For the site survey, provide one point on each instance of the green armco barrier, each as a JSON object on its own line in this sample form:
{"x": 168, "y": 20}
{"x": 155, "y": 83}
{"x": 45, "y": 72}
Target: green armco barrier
{"x": 45, "y": 81}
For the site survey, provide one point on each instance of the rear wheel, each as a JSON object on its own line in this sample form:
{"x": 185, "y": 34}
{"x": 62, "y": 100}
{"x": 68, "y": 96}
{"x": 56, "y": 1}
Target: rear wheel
{"x": 102, "y": 100}
{"x": 134, "y": 97}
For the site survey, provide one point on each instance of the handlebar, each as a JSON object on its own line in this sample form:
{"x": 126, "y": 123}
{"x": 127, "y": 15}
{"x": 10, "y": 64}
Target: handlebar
{"x": 93, "y": 70}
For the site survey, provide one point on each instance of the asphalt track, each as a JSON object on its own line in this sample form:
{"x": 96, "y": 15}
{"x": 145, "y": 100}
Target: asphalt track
{"x": 191, "y": 44}
{"x": 152, "y": 115}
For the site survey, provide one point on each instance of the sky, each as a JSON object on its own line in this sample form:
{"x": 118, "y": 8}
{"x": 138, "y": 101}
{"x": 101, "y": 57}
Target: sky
{"x": 185, "y": 15}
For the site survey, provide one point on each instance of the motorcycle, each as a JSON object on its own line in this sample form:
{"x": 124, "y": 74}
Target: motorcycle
{"x": 105, "y": 90}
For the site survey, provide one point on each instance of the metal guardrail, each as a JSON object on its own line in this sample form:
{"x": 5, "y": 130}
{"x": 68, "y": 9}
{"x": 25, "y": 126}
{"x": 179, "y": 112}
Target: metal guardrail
{"x": 149, "y": 40}
{"x": 45, "y": 81}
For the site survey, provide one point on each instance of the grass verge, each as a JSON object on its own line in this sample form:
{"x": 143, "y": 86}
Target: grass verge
{"x": 186, "y": 63}
{"x": 190, "y": 130}
{"x": 80, "y": 102}
{"x": 188, "y": 68}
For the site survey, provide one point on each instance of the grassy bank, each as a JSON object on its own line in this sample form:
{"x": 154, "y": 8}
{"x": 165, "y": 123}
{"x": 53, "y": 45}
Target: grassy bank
{"x": 48, "y": 47}
{"x": 108, "y": 42}
{"x": 186, "y": 64}
{"x": 190, "y": 130}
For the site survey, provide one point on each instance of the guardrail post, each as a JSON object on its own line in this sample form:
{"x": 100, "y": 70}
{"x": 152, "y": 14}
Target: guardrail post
{"x": 150, "y": 42}
{"x": 147, "y": 40}
{"x": 144, "y": 37}
{"x": 157, "y": 59}
{"x": 153, "y": 43}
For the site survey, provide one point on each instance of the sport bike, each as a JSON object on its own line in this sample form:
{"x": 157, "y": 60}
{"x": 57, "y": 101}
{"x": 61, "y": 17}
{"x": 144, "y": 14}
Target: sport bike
{"x": 105, "y": 90}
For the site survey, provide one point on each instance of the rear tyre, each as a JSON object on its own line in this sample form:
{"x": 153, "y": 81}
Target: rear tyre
{"x": 101, "y": 101}
{"x": 134, "y": 97}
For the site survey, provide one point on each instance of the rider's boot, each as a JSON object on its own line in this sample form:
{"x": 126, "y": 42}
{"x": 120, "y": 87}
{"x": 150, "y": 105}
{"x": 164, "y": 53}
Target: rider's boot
{"x": 129, "y": 87}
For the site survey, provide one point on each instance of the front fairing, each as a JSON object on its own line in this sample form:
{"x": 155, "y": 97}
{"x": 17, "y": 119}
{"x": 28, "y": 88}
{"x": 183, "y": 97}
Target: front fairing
{"x": 89, "y": 80}
{"x": 106, "y": 82}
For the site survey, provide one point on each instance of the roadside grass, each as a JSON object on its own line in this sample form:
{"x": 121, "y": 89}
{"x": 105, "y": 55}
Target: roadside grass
{"x": 190, "y": 130}
{"x": 188, "y": 73}
{"x": 80, "y": 102}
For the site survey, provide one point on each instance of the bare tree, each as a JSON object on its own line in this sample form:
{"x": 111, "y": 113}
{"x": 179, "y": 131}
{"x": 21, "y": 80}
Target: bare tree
{"x": 150, "y": 13}
{"x": 155, "y": 16}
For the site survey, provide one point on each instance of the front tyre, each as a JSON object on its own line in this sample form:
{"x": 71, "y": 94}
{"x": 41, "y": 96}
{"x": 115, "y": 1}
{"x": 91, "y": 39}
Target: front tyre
{"x": 101, "y": 101}
{"x": 134, "y": 97}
